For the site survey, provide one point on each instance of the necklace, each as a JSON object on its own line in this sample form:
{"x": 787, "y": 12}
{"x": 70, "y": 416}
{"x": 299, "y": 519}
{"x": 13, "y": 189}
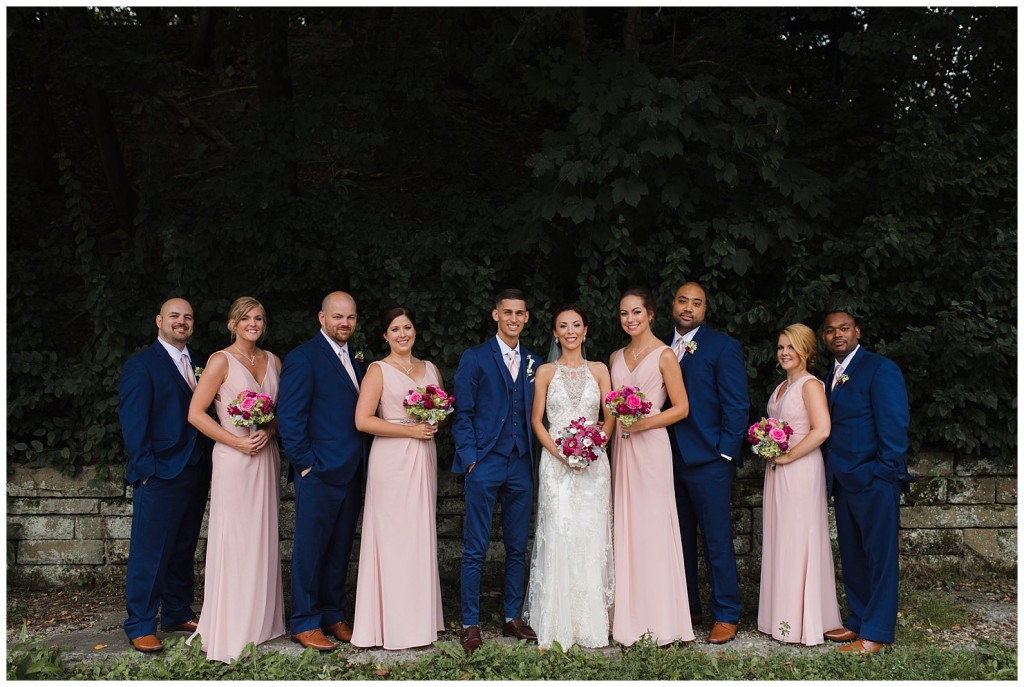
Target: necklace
{"x": 251, "y": 359}
{"x": 403, "y": 367}
{"x": 636, "y": 354}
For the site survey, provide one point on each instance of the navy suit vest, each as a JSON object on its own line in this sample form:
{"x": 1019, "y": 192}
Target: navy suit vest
{"x": 513, "y": 427}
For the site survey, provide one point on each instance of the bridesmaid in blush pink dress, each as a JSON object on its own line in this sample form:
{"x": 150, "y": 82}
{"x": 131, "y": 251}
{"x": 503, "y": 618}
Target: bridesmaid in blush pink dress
{"x": 650, "y": 581}
{"x": 242, "y": 600}
{"x": 798, "y": 583}
{"x": 398, "y": 590}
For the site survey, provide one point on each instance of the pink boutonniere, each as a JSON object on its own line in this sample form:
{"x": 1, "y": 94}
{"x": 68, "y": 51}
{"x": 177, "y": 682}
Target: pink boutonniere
{"x": 691, "y": 347}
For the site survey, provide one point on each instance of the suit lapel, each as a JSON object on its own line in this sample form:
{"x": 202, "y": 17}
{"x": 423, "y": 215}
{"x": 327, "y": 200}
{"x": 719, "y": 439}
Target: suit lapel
{"x": 335, "y": 362}
{"x": 164, "y": 360}
{"x": 852, "y": 367}
{"x": 499, "y": 360}
{"x": 696, "y": 339}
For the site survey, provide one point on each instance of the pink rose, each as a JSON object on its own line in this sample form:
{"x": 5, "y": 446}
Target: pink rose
{"x": 633, "y": 401}
{"x": 777, "y": 435}
{"x": 248, "y": 403}
{"x": 415, "y": 398}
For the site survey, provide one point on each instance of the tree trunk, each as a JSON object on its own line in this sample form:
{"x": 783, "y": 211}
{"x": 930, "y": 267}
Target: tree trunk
{"x": 202, "y": 39}
{"x": 634, "y": 29}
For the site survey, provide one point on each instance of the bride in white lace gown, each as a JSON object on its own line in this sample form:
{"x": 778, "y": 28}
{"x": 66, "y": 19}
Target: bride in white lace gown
{"x": 571, "y": 571}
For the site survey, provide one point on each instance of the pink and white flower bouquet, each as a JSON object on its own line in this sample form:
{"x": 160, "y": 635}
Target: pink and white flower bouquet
{"x": 581, "y": 443}
{"x": 769, "y": 438}
{"x": 628, "y": 405}
{"x": 429, "y": 404}
{"x": 251, "y": 409}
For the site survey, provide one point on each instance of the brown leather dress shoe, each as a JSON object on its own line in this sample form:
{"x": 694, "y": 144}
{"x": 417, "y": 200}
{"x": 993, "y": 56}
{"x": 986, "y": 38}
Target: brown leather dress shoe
{"x": 470, "y": 638}
{"x": 147, "y": 644}
{"x": 187, "y": 626}
{"x": 842, "y": 634}
{"x": 864, "y": 646}
{"x": 340, "y": 630}
{"x": 722, "y": 633}
{"x": 518, "y": 629}
{"x": 314, "y": 639}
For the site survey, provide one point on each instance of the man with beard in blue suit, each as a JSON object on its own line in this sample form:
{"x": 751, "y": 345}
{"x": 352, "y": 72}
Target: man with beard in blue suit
{"x": 707, "y": 448}
{"x": 866, "y": 471}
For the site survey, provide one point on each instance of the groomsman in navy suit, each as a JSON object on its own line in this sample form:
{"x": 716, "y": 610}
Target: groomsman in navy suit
{"x": 327, "y": 456}
{"x": 866, "y": 471}
{"x": 494, "y": 448}
{"x": 169, "y": 470}
{"x": 707, "y": 448}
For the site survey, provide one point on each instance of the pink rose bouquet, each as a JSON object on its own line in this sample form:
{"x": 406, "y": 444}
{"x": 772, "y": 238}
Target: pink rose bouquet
{"x": 581, "y": 443}
{"x": 429, "y": 404}
{"x": 251, "y": 409}
{"x": 628, "y": 405}
{"x": 769, "y": 438}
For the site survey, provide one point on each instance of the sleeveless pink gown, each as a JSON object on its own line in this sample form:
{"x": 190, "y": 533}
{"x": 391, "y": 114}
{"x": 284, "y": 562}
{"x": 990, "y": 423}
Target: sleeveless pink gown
{"x": 650, "y": 581}
{"x": 398, "y": 590}
{"x": 242, "y": 600}
{"x": 798, "y": 581}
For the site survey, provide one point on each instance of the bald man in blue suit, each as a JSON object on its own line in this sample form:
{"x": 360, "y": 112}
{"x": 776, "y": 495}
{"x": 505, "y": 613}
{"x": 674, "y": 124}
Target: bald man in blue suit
{"x": 866, "y": 471}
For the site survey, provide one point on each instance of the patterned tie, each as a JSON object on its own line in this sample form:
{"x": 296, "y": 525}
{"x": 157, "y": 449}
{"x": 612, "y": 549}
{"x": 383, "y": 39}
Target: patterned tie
{"x": 186, "y": 371}
{"x": 347, "y": 364}
{"x": 678, "y": 347}
{"x": 513, "y": 364}
{"x": 836, "y": 376}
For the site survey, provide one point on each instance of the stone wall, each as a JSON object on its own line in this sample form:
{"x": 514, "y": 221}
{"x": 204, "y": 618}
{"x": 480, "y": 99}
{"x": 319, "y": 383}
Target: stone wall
{"x": 75, "y": 531}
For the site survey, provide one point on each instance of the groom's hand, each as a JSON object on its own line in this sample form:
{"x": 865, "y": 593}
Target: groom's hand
{"x": 470, "y": 468}
{"x": 306, "y": 471}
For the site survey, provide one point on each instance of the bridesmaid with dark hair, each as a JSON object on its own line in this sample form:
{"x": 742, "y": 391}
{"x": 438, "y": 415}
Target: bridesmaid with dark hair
{"x": 398, "y": 590}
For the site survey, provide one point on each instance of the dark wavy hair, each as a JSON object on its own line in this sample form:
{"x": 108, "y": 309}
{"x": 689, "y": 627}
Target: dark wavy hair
{"x": 394, "y": 312}
{"x": 644, "y": 294}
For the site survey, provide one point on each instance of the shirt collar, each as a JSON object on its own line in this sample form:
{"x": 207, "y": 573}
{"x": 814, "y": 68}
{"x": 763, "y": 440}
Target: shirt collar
{"x": 688, "y": 336}
{"x": 505, "y": 348}
{"x": 338, "y": 350}
{"x": 174, "y": 352}
{"x": 841, "y": 366}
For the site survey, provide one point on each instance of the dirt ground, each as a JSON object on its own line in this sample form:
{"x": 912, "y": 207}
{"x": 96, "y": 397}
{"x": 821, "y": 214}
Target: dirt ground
{"x": 86, "y": 625}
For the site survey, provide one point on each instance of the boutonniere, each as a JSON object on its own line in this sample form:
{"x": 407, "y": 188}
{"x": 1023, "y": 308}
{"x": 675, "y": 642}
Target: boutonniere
{"x": 691, "y": 347}
{"x": 843, "y": 379}
{"x": 199, "y": 372}
{"x": 359, "y": 357}
{"x": 529, "y": 366}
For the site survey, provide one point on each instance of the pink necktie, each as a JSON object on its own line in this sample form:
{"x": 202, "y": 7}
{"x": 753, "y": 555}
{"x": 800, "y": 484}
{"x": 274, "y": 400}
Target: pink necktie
{"x": 347, "y": 364}
{"x": 186, "y": 371}
{"x": 513, "y": 365}
{"x": 677, "y": 347}
{"x": 836, "y": 376}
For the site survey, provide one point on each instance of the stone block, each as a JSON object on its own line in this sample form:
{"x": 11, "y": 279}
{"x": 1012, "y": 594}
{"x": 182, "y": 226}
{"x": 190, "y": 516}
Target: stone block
{"x": 928, "y": 491}
{"x": 747, "y": 493}
{"x": 49, "y": 482}
{"x": 451, "y": 505}
{"x": 117, "y": 527}
{"x": 970, "y": 466}
{"x": 929, "y": 464}
{"x": 1006, "y": 490}
{"x": 72, "y": 576}
{"x": 995, "y": 546}
{"x": 286, "y": 519}
{"x": 449, "y": 484}
{"x": 89, "y": 527}
{"x": 742, "y": 543}
{"x": 757, "y": 525}
{"x": 203, "y": 529}
{"x": 56, "y": 506}
{"x": 928, "y": 542}
{"x": 953, "y": 516}
{"x": 40, "y": 527}
{"x": 56, "y": 552}
{"x": 741, "y": 519}
{"x": 116, "y": 507}
{"x": 972, "y": 490}
{"x": 116, "y": 551}
{"x": 286, "y": 549}
{"x": 449, "y": 526}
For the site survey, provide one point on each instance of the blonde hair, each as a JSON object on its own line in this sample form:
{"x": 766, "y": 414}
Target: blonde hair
{"x": 804, "y": 342}
{"x": 238, "y": 309}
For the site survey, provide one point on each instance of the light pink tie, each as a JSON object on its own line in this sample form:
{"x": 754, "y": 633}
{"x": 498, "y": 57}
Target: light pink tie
{"x": 678, "y": 348}
{"x": 186, "y": 371}
{"x": 513, "y": 365}
{"x": 836, "y": 376}
{"x": 347, "y": 364}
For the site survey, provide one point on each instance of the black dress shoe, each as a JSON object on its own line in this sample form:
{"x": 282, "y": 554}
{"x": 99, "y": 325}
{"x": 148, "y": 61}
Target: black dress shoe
{"x": 470, "y": 638}
{"x": 518, "y": 629}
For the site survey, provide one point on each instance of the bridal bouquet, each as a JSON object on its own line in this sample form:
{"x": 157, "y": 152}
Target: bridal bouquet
{"x": 581, "y": 443}
{"x": 429, "y": 404}
{"x": 770, "y": 438}
{"x": 251, "y": 410}
{"x": 628, "y": 405}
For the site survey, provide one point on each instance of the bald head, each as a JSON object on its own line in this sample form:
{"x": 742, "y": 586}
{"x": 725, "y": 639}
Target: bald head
{"x": 338, "y": 316}
{"x": 174, "y": 323}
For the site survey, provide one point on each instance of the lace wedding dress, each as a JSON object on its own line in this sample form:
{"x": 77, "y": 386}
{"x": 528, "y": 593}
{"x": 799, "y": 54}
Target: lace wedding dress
{"x": 571, "y": 570}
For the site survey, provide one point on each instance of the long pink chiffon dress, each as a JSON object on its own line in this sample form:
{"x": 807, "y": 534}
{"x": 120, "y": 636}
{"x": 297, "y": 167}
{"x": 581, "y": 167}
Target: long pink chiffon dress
{"x": 398, "y": 590}
{"x": 242, "y": 600}
{"x": 798, "y": 581}
{"x": 650, "y": 581}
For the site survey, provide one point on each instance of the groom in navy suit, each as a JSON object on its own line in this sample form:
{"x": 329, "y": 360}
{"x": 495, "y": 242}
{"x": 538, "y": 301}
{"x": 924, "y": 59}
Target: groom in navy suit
{"x": 866, "y": 471}
{"x": 327, "y": 456}
{"x": 494, "y": 448}
{"x": 707, "y": 448}
{"x": 169, "y": 470}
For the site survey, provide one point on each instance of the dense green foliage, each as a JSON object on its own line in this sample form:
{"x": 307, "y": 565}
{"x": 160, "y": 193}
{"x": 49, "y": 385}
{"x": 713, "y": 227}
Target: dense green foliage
{"x": 792, "y": 160}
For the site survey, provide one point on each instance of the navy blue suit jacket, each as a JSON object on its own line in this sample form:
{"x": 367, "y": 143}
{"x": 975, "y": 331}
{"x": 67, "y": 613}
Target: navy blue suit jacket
{"x": 870, "y": 419}
{"x": 483, "y": 397}
{"x": 316, "y": 414}
{"x": 153, "y": 408}
{"x": 715, "y": 377}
